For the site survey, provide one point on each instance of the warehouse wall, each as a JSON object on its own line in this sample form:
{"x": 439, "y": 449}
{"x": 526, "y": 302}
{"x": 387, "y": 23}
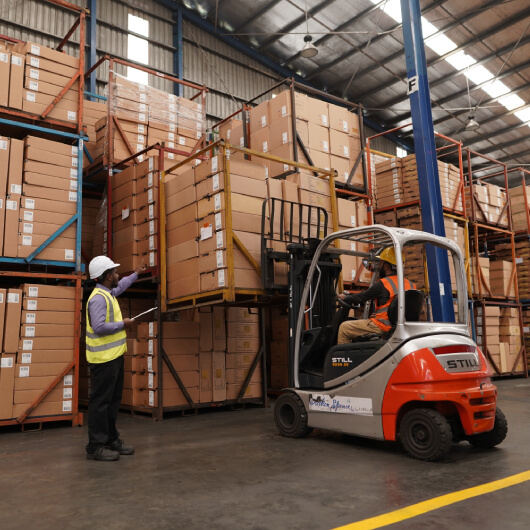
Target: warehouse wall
{"x": 231, "y": 76}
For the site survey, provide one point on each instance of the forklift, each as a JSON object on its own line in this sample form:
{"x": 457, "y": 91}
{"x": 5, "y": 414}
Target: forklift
{"x": 425, "y": 384}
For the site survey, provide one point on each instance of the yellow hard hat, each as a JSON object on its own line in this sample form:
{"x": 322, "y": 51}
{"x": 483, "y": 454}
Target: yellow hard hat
{"x": 389, "y": 255}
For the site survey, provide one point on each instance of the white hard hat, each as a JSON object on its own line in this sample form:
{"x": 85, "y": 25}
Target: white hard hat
{"x": 99, "y": 265}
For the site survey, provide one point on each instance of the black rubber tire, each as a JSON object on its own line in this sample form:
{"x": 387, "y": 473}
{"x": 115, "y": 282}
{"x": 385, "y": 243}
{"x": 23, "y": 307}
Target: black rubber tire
{"x": 493, "y": 437}
{"x": 425, "y": 434}
{"x": 290, "y": 416}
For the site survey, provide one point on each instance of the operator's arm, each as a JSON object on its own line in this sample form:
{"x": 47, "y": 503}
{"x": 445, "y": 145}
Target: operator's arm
{"x": 377, "y": 290}
{"x": 124, "y": 284}
{"x": 97, "y": 312}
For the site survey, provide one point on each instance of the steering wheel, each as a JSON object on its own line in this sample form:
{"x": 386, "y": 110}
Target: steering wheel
{"x": 343, "y": 303}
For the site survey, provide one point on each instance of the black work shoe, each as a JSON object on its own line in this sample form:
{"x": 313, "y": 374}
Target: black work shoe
{"x": 104, "y": 454}
{"x": 121, "y": 448}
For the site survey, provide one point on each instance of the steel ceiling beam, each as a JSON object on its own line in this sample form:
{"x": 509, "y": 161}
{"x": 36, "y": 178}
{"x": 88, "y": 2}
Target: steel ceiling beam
{"x": 375, "y": 39}
{"x": 462, "y": 93}
{"x": 499, "y": 147}
{"x": 456, "y": 73}
{"x": 295, "y": 23}
{"x": 257, "y": 15}
{"x": 475, "y": 40}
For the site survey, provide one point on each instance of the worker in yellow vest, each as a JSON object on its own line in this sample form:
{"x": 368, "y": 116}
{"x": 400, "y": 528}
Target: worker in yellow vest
{"x": 383, "y": 292}
{"x": 106, "y": 342}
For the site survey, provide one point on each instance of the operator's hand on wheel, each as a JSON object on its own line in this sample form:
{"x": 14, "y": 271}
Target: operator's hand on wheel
{"x": 141, "y": 268}
{"x": 128, "y": 322}
{"x": 342, "y": 296}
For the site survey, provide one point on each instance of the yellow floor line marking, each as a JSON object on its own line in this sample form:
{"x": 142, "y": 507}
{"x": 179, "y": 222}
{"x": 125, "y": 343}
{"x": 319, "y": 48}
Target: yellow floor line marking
{"x": 433, "y": 504}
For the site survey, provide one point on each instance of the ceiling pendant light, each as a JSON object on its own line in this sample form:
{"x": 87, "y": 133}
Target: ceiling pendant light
{"x": 309, "y": 50}
{"x": 472, "y": 124}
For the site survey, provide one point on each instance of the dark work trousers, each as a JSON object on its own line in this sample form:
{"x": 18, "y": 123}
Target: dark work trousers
{"x": 104, "y": 403}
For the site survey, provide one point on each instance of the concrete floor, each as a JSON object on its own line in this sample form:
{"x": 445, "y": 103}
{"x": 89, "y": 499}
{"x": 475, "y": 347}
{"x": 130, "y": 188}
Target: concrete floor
{"x": 232, "y": 470}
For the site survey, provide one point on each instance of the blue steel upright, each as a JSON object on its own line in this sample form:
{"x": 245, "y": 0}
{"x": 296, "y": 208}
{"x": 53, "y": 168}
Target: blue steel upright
{"x": 425, "y": 148}
{"x": 92, "y": 40}
{"x": 178, "y": 54}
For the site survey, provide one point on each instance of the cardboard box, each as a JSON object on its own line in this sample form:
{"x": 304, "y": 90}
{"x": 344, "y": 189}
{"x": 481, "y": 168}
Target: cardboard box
{"x": 219, "y": 329}
{"x": 12, "y": 320}
{"x": 4, "y": 164}
{"x": 3, "y": 299}
{"x": 240, "y": 345}
{"x": 7, "y": 381}
{"x": 48, "y": 291}
{"x": 16, "y": 80}
{"x": 253, "y": 391}
{"x": 5, "y": 68}
{"x": 242, "y": 329}
{"x": 206, "y": 331}
{"x": 48, "y": 304}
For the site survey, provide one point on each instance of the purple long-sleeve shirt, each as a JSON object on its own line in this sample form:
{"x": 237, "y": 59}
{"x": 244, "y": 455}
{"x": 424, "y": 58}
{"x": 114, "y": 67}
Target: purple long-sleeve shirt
{"x": 97, "y": 307}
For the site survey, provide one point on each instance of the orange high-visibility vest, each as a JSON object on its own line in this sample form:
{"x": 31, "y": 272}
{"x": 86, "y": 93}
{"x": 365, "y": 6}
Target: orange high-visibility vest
{"x": 380, "y": 317}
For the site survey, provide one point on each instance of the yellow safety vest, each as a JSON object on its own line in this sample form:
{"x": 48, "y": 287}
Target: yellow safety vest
{"x": 105, "y": 348}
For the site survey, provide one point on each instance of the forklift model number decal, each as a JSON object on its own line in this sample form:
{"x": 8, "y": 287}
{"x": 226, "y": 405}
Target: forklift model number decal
{"x": 341, "y": 404}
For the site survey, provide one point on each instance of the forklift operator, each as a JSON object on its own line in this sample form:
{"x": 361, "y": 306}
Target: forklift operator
{"x": 383, "y": 292}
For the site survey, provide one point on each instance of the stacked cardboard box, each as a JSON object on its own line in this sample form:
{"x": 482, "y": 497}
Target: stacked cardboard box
{"x": 135, "y": 215}
{"x": 388, "y": 184}
{"x": 330, "y": 134}
{"x": 93, "y": 112}
{"x": 38, "y": 323}
{"x": 502, "y": 278}
{"x": 12, "y": 64}
{"x": 518, "y": 206}
{"x": 279, "y": 349}
{"x": 243, "y": 344}
{"x": 487, "y": 319}
{"x": 480, "y": 276}
{"x": 489, "y": 202}
{"x": 522, "y": 260}
{"x": 49, "y": 199}
{"x": 45, "y": 75}
{"x": 90, "y": 213}
{"x": 526, "y": 331}
{"x": 232, "y": 131}
{"x": 511, "y": 340}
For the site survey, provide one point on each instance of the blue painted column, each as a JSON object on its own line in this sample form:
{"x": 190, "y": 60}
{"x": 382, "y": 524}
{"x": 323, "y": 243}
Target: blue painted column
{"x": 92, "y": 42}
{"x": 178, "y": 55}
{"x": 425, "y": 148}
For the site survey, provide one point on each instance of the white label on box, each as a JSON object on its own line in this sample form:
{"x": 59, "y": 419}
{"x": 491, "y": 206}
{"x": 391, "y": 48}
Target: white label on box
{"x": 150, "y": 364}
{"x": 171, "y": 136}
{"x": 12, "y": 298}
{"x": 346, "y": 152}
{"x": 518, "y": 261}
{"x": 325, "y": 146}
{"x": 151, "y": 227}
{"x": 23, "y": 371}
{"x": 34, "y": 49}
{"x": 218, "y": 221}
{"x": 143, "y": 97}
{"x": 35, "y": 62}
{"x": 6, "y": 363}
{"x": 34, "y": 74}
{"x": 151, "y": 381}
{"x": 32, "y": 305}
{"x": 29, "y": 331}
{"x": 219, "y": 239}
{"x": 215, "y": 182}
{"x": 266, "y": 172}
{"x": 72, "y": 116}
{"x": 182, "y": 140}
{"x": 30, "y": 96}
{"x": 285, "y": 138}
{"x": 67, "y": 406}
{"x": 3, "y": 145}
{"x": 150, "y": 181}
{"x": 214, "y": 164}
{"x": 151, "y": 398}
{"x": 72, "y": 196}
{"x": 33, "y": 85}
{"x": 26, "y": 358}
{"x": 171, "y": 145}
{"x": 206, "y": 232}
{"x": 171, "y": 156}
{"x": 151, "y": 211}
{"x": 68, "y": 393}
{"x": 353, "y": 220}
{"x": 68, "y": 254}
{"x": 17, "y": 61}
{"x": 68, "y": 380}
{"x": 345, "y": 126}
{"x": 1, "y": 298}
{"x": 151, "y": 242}
{"x": 152, "y": 259}
{"x": 73, "y": 184}
{"x": 284, "y": 111}
{"x": 31, "y": 318}
{"x": 141, "y": 139}
{"x": 217, "y": 202}
{"x": 151, "y": 329}
{"x": 265, "y": 147}
{"x": 4, "y": 57}
{"x": 141, "y": 117}
{"x": 150, "y": 196}
{"x": 151, "y": 347}
{"x": 125, "y": 213}
{"x": 220, "y": 259}
{"x": 74, "y": 162}
{"x": 173, "y": 118}
{"x": 221, "y": 278}
{"x": 141, "y": 128}
{"x": 286, "y": 167}
{"x": 241, "y": 141}
{"x": 264, "y": 121}
{"x": 73, "y": 173}
{"x": 27, "y": 228}
{"x": 139, "y": 147}
{"x": 353, "y": 245}
{"x": 325, "y": 120}
{"x": 172, "y": 127}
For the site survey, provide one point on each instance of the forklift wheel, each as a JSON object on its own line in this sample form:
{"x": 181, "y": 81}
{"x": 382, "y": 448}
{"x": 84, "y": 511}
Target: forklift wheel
{"x": 290, "y": 416}
{"x": 425, "y": 434}
{"x": 493, "y": 437}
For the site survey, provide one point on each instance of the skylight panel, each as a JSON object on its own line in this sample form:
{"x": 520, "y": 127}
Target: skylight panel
{"x": 511, "y": 101}
{"x": 497, "y": 89}
{"x": 461, "y": 60}
{"x": 393, "y": 9}
{"x": 479, "y": 75}
{"x": 523, "y": 115}
{"x": 441, "y": 44}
